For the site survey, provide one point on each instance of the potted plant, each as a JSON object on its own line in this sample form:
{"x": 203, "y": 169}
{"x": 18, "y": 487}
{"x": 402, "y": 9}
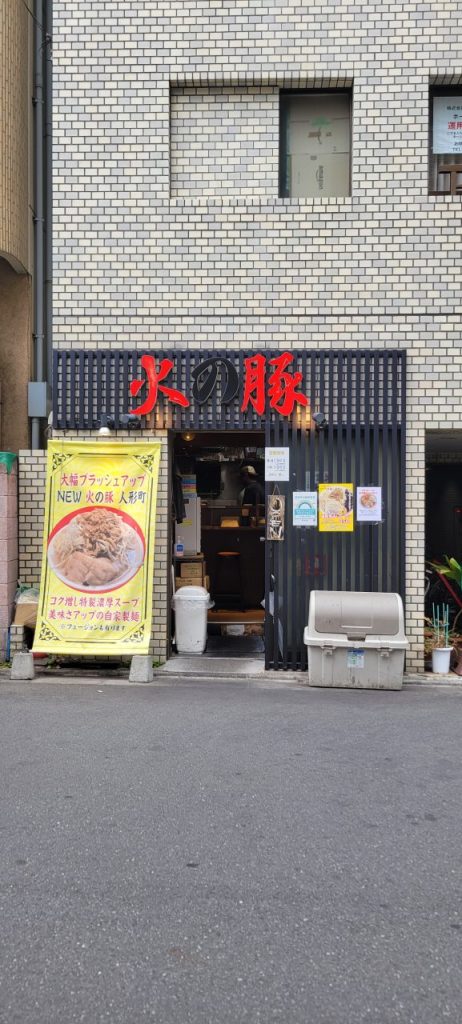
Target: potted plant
{"x": 451, "y": 569}
{"x": 439, "y": 639}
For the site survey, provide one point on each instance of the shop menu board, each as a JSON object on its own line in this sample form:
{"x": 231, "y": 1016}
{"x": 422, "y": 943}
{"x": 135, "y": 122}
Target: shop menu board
{"x": 98, "y": 548}
{"x": 336, "y": 508}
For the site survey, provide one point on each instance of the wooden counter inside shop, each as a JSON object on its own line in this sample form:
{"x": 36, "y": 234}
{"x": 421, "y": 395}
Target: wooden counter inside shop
{"x": 249, "y": 542}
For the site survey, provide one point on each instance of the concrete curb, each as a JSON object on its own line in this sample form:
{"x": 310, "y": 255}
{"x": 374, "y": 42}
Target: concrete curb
{"x": 160, "y": 677}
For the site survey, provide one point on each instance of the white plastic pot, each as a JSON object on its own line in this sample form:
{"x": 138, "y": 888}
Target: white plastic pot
{"x": 441, "y": 658}
{"x": 191, "y": 605}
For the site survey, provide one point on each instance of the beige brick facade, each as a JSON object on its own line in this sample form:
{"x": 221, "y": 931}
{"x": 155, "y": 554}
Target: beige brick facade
{"x": 168, "y": 226}
{"x": 15, "y": 122}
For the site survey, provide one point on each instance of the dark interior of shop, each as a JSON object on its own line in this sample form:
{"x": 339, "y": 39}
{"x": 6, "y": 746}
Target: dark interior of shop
{"x": 443, "y": 539}
{"x": 219, "y": 541}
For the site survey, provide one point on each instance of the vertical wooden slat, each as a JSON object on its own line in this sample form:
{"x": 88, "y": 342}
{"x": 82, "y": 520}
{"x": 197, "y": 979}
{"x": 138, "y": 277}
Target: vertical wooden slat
{"x": 357, "y": 579}
{"x": 321, "y": 446}
{"x": 108, "y": 390}
{"x": 401, "y": 526}
{"x": 385, "y": 525}
{"x": 309, "y": 536}
{"x": 125, "y": 382}
{"x": 269, "y": 632}
{"x": 395, "y": 475}
{"x": 99, "y": 384}
{"x": 55, "y": 392}
{"x": 339, "y": 467}
{"x": 330, "y": 465}
{"x": 288, "y": 553}
{"x": 72, "y": 389}
{"x": 81, "y": 364}
{"x": 365, "y": 532}
{"x": 375, "y": 472}
{"x": 348, "y": 458}
{"x": 63, "y": 420}
{"x": 90, "y": 359}
{"x": 116, "y": 387}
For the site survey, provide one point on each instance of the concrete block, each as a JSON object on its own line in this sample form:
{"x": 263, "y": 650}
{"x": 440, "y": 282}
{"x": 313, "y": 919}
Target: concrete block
{"x": 141, "y": 670}
{"x": 8, "y": 570}
{"x": 22, "y": 666}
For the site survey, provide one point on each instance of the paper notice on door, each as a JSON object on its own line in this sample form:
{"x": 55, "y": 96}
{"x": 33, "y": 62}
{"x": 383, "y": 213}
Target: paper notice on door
{"x": 368, "y": 504}
{"x": 305, "y": 508}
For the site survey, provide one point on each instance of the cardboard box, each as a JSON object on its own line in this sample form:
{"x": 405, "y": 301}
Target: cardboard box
{"x": 25, "y": 615}
{"x": 317, "y": 140}
{"x": 313, "y": 176}
{"x": 195, "y": 570}
{"x": 181, "y": 581}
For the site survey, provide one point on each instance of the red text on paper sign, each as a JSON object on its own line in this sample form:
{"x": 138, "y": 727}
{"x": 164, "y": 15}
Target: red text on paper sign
{"x": 265, "y": 380}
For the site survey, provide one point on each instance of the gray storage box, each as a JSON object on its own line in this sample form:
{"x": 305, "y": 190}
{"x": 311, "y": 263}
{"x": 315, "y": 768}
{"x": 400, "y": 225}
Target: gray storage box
{"x": 355, "y": 640}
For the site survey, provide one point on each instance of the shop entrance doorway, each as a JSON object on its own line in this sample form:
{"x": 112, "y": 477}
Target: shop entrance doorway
{"x": 218, "y": 534}
{"x": 443, "y": 524}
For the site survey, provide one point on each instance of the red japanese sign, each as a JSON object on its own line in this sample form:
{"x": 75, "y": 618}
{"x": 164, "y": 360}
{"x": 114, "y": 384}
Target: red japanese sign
{"x": 267, "y": 383}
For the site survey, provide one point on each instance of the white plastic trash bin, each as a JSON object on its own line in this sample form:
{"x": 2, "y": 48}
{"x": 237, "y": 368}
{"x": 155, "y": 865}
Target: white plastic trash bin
{"x": 355, "y": 640}
{"x": 191, "y": 605}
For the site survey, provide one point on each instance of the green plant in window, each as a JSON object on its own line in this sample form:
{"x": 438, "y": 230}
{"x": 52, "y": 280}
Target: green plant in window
{"x": 451, "y": 568}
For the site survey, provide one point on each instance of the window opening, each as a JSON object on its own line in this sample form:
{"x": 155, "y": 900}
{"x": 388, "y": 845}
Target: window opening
{"x": 315, "y": 144}
{"x": 445, "y": 156}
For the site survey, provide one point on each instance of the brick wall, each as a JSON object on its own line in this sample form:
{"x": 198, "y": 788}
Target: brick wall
{"x": 8, "y": 548}
{"x": 32, "y": 478}
{"x": 15, "y": 114}
{"x": 224, "y": 142}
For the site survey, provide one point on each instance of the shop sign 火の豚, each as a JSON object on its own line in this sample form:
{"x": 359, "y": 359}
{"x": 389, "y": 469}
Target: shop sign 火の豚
{"x": 265, "y": 384}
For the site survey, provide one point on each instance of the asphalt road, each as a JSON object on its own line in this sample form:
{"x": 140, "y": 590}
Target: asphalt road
{"x": 228, "y": 853}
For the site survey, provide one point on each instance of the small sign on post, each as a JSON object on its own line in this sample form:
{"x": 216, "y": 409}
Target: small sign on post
{"x": 275, "y": 518}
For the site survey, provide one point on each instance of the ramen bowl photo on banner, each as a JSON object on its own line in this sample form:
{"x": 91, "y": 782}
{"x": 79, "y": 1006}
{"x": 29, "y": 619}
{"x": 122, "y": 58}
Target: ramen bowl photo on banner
{"x": 98, "y": 548}
{"x": 335, "y": 508}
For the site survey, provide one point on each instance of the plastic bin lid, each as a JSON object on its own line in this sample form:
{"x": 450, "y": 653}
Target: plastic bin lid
{"x": 350, "y": 613}
{"x": 199, "y": 594}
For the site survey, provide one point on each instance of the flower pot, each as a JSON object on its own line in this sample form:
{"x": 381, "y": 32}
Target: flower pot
{"x": 441, "y": 657}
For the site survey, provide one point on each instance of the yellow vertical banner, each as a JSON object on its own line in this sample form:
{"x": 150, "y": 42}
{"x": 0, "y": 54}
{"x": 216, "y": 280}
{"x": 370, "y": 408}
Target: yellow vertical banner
{"x": 98, "y": 548}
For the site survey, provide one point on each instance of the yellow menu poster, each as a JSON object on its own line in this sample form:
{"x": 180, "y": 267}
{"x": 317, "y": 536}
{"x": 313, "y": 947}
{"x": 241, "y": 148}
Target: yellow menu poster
{"x": 336, "y": 508}
{"x": 98, "y": 548}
